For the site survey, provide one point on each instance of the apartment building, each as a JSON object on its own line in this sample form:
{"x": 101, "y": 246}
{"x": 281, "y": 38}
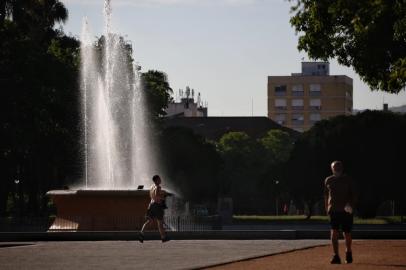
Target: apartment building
{"x": 300, "y": 100}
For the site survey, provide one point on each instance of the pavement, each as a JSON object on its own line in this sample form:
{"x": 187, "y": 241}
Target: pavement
{"x": 312, "y": 226}
{"x": 368, "y": 255}
{"x": 301, "y": 233}
{"x": 153, "y": 254}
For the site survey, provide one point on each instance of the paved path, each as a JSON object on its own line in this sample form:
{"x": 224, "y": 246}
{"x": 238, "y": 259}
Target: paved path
{"x": 110, "y": 255}
{"x": 368, "y": 255}
{"x": 314, "y": 226}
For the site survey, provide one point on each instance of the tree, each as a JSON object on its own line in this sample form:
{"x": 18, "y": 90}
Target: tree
{"x": 192, "y": 164}
{"x": 368, "y": 35}
{"x": 370, "y": 144}
{"x": 39, "y": 97}
{"x": 279, "y": 144}
{"x": 158, "y": 92}
{"x": 243, "y": 170}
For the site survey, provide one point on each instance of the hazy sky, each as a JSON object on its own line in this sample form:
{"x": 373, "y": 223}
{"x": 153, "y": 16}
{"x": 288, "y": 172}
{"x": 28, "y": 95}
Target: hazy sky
{"x": 224, "y": 49}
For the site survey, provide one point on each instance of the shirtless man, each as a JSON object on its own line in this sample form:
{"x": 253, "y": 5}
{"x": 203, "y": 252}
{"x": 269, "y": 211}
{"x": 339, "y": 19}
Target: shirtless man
{"x": 156, "y": 209}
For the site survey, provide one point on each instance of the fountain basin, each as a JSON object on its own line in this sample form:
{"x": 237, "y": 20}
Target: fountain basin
{"x": 99, "y": 210}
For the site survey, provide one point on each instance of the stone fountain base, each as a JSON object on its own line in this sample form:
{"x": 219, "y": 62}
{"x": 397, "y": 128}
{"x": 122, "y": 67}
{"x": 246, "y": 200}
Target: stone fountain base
{"x": 99, "y": 210}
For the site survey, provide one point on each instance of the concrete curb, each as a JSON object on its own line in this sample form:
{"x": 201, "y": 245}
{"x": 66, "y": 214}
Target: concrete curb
{"x": 194, "y": 235}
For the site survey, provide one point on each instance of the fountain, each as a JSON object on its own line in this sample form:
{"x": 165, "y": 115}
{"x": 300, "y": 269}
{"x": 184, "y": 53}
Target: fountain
{"x": 117, "y": 147}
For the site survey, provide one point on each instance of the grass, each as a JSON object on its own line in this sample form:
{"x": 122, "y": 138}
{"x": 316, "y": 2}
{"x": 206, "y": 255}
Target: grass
{"x": 300, "y": 219}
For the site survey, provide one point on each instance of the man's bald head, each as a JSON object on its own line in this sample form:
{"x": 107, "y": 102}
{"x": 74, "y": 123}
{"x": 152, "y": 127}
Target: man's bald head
{"x": 337, "y": 167}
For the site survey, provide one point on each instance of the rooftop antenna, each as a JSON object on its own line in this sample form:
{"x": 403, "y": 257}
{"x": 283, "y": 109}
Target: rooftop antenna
{"x": 187, "y": 97}
{"x": 252, "y": 106}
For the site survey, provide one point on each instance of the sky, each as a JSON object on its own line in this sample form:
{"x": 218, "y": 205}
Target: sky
{"x": 224, "y": 49}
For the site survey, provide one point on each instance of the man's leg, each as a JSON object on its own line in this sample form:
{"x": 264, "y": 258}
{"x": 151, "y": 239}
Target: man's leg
{"x": 334, "y": 241}
{"x": 161, "y": 229}
{"x": 347, "y": 227}
{"x": 348, "y": 250}
{"x": 348, "y": 241}
{"x": 145, "y": 225}
{"x": 141, "y": 235}
{"x": 335, "y": 226}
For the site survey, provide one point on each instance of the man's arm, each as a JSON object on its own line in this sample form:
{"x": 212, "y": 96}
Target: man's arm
{"x": 325, "y": 196}
{"x": 353, "y": 195}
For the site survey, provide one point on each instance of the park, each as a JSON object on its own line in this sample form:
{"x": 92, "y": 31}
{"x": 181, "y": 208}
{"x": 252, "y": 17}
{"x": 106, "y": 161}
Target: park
{"x": 88, "y": 122}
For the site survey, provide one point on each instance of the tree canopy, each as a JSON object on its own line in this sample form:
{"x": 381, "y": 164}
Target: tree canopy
{"x": 192, "y": 164}
{"x": 371, "y": 146}
{"x": 38, "y": 99}
{"x": 368, "y": 35}
{"x": 158, "y": 92}
{"x": 279, "y": 143}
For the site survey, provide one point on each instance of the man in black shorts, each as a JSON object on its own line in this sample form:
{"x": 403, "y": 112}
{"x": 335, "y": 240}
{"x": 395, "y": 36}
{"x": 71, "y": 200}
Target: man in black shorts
{"x": 339, "y": 200}
{"x": 156, "y": 209}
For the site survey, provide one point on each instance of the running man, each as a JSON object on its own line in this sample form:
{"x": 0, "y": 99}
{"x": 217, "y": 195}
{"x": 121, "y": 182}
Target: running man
{"x": 156, "y": 209}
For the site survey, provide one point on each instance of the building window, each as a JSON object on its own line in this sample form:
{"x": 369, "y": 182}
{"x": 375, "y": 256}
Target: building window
{"x": 280, "y": 119}
{"x": 280, "y": 90}
{"x": 297, "y": 104}
{"x": 297, "y": 90}
{"x": 280, "y": 104}
{"x": 315, "y": 104}
{"x": 314, "y": 117}
{"x": 297, "y": 119}
{"x": 315, "y": 90}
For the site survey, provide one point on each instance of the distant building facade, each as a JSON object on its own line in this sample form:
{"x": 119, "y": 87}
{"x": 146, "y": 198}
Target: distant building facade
{"x": 186, "y": 106}
{"x": 300, "y": 100}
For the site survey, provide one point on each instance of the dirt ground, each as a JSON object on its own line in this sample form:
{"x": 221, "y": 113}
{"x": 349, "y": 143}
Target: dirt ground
{"x": 368, "y": 254}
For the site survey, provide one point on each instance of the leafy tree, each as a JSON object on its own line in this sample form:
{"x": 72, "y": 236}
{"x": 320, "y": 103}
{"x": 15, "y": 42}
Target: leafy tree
{"x": 371, "y": 146}
{"x": 243, "y": 169}
{"x": 39, "y": 112}
{"x": 158, "y": 92}
{"x": 368, "y": 35}
{"x": 279, "y": 144}
{"x": 236, "y": 151}
{"x": 192, "y": 164}
{"x": 253, "y": 171}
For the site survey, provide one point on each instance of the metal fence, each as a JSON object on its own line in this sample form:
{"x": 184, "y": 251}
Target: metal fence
{"x": 80, "y": 223}
{"x": 25, "y": 224}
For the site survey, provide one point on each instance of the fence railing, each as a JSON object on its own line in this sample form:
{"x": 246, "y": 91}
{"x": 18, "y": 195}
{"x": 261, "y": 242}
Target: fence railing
{"x": 82, "y": 223}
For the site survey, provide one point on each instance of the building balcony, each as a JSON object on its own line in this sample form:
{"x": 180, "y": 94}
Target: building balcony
{"x": 315, "y": 93}
{"x": 297, "y": 108}
{"x": 281, "y": 108}
{"x": 298, "y": 93}
{"x": 315, "y": 108}
{"x": 297, "y": 122}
